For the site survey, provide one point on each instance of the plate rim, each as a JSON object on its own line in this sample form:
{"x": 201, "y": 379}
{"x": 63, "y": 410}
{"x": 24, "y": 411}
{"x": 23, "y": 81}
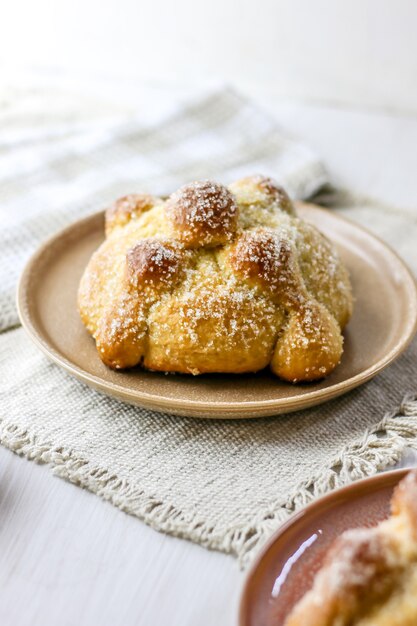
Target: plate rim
{"x": 272, "y": 406}
{"x": 391, "y": 476}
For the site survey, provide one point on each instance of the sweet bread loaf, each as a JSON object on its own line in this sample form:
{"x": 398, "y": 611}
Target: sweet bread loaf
{"x": 216, "y": 279}
{"x": 369, "y": 577}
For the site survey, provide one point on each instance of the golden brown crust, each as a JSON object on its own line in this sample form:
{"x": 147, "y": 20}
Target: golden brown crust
{"x": 369, "y": 576}
{"x": 203, "y": 214}
{"x": 268, "y": 259}
{"x": 322, "y": 272}
{"x": 212, "y": 281}
{"x": 309, "y": 346}
{"x": 263, "y": 191}
{"x": 153, "y": 262}
{"x": 124, "y": 209}
{"x": 121, "y": 333}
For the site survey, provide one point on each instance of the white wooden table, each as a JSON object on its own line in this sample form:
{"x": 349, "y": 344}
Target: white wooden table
{"x": 68, "y": 558}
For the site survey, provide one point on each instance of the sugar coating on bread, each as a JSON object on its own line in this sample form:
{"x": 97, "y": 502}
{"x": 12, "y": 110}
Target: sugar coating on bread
{"x": 262, "y": 191}
{"x": 265, "y": 257}
{"x": 127, "y": 208}
{"x": 216, "y": 279}
{"x": 202, "y": 213}
{"x": 152, "y": 261}
{"x": 369, "y": 575}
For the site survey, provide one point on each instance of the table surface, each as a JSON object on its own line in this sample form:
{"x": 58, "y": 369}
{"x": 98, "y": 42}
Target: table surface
{"x": 67, "y": 557}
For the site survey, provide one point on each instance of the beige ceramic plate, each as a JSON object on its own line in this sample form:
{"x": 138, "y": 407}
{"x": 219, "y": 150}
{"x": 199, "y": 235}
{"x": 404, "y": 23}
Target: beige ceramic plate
{"x": 383, "y": 324}
{"x": 285, "y": 569}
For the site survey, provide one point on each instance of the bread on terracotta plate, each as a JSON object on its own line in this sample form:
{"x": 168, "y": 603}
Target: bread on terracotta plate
{"x": 369, "y": 577}
{"x": 216, "y": 279}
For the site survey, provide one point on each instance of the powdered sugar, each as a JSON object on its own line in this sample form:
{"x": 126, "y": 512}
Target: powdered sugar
{"x": 229, "y": 280}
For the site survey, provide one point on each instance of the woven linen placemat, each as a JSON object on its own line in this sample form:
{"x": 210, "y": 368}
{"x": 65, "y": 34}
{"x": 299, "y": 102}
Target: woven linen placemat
{"x": 224, "y": 485}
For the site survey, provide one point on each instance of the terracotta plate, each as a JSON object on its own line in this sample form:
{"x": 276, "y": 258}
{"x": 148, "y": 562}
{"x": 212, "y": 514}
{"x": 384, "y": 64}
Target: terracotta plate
{"x": 285, "y": 569}
{"x": 383, "y": 324}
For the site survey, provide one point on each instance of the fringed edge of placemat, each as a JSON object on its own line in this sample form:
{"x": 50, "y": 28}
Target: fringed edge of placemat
{"x": 379, "y": 447}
